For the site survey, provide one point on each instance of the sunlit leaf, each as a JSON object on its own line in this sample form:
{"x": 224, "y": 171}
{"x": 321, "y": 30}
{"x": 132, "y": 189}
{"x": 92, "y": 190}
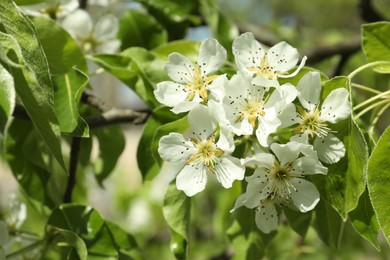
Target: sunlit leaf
{"x": 379, "y": 182}
{"x": 376, "y": 44}
{"x": 189, "y": 49}
{"x": 7, "y": 97}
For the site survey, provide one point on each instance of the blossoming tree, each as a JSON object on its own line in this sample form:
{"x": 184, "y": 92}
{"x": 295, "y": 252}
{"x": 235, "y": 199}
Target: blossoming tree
{"x": 271, "y": 144}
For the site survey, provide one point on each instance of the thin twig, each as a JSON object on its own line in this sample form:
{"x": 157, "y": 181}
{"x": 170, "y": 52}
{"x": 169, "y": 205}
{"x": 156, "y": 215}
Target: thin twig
{"x": 94, "y": 101}
{"x": 74, "y": 157}
{"x": 115, "y": 116}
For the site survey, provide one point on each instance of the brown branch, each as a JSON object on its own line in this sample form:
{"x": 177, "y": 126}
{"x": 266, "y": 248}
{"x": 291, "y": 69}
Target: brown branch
{"x": 94, "y": 101}
{"x": 115, "y": 116}
{"x": 74, "y": 158}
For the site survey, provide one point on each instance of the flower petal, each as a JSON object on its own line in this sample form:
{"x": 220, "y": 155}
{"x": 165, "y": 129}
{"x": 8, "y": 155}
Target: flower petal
{"x": 281, "y": 97}
{"x": 185, "y": 106}
{"x": 308, "y": 165}
{"x": 336, "y": 106}
{"x": 286, "y": 153}
{"x": 247, "y": 52}
{"x": 289, "y": 116}
{"x": 329, "y": 149}
{"x": 211, "y": 56}
{"x": 191, "y": 179}
{"x": 305, "y": 196}
{"x": 73, "y": 21}
{"x": 202, "y": 123}
{"x": 111, "y": 46}
{"x": 266, "y": 217}
{"x": 265, "y": 128}
{"x": 170, "y": 93}
{"x": 174, "y": 148}
{"x": 262, "y": 159}
{"x": 282, "y": 57}
{"x": 179, "y": 68}
{"x": 106, "y": 28}
{"x": 309, "y": 87}
{"x": 225, "y": 141}
{"x": 300, "y": 138}
{"x": 217, "y": 87}
{"x": 229, "y": 169}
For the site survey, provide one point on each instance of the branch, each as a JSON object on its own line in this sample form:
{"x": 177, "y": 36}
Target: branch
{"x": 115, "y": 116}
{"x": 83, "y": 4}
{"x": 74, "y": 157}
{"x": 368, "y": 13}
{"x": 94, "y": 101}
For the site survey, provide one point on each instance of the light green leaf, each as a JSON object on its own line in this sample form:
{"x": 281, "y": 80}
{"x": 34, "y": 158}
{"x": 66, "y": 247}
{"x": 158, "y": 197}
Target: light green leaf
{"x": 28, "y": 2}
{"x": 345, "y": 181}
{"x": 376, "y": 44}
{"x": 3, "y": 233}
{"x": 111, "y": 145}
{"x": 139, "y": 29}
{"x": 189, "y": 49}
{"x": 176, "y": 212}
{"x": 379, "y": 181}
{"x": 31, "y": 76}
{"x": 61, "y": 51}
{"x": 364, "y": 220}
{"x": 7, "y": 98}
{"x": 68, "y": 90}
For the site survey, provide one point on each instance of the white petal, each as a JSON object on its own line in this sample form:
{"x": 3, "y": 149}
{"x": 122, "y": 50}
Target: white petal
{"x": 282, "y": 57}
{"x": 184, "y": 106}
{"x": 308, "y": 165}
{"x": 265, "y": 128}
{"x": 300, "y": 138}
{"x": 309, "y": 87}
{"x": 303, "y": 61}
{"x": 111, "y": 46}
{"x": 329, "y": 149}
{"x": 216, "y": 108}
{"x": 202, "y": 124}
{"x": 262, "y": 159}
{"x": 289, "y": 116}
{"x": 170, "y": 93}
{"x": 179, "y": 68}
{"x": 72, "y": 23}
{"x": 106, "y": 28}
{"x": 247, "y": 52}
{"x": 225, "y": 141}
{"x": 239, "y": 202}
{"x": 286, "y": 153}
{"x": 305, "y": 196}
{"x": 217, "y": 87}
{"x": 174, "y": 148}
{"x": 336, "y": 106}
{"x": 281, "y": 97}
{"x": 211, "y": 56}
{"x": 266, "y": 217}
{"x": 191, "y": 179}
{"x": 266, "y": 83}
{"x": 229, "y": 169}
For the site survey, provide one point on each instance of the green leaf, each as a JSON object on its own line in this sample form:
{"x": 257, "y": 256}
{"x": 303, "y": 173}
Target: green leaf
{"x": 140, "y": 29}
{"x": 3, "y": 233}
{"x": 328, "y": 224}
{"x": 7, "y": 98}
{"x": 176, "y": 212}
{"x": 376, "y": 44}
{"x": 28, "y": 2}
{"x": 68, "y": 90}
{"x": 87, "y": 224}
{"x": 190, "y": 49}
{"x": 126, "y": 245}
{"x": 247, "y": 240}
{"x": 345, "y": 181}
{"x": 364, "y": 220}
{"x": 299, "y": 221}
{"x": 31, "y": 75}
{"x": 61, "y": 51}
{"x": 111, "y": 145}
{"x": 379, "y": 182}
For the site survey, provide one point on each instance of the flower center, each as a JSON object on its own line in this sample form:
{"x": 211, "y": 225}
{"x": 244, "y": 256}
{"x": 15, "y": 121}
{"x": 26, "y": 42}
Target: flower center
{"x": 311, "y": 124}
{"x": 89, "y": 44}
{"x": 198, "y": 84}
{"x": 264, "y": 69}
{"x": 207, "y": 153}
{"x": 251, "y": 109}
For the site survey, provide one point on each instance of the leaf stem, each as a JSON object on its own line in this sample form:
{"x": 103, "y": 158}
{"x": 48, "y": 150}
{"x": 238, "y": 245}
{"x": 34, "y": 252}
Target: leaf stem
{"x": 370, "y": 100}
{"x": 368, "y": 65}
{"x": 369, "y": 108}
{"x": 362, "y": 87}
{"x": 377, "y": 116}
{"x": 25, "y": 249}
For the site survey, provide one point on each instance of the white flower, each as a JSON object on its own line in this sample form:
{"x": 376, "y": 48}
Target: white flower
{"x": 96, "y": 38}
{"x": 191, "y": 83}
{"x": 266, "y": 66}
{"x": 314, "y": 118}
{"x": 280, "y": 180}
{"x": 247, "y": 106}
{"x": 52, "y": 8}
{"x": 201, "y": 153}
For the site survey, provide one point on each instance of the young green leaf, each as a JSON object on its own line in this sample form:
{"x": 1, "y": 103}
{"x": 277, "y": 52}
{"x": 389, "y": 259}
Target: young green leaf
{"x": 7, "y": 98}
{"x": 190, "y": 49}
{"x": 376, "y": 44}
{"x": 379, "y": 182}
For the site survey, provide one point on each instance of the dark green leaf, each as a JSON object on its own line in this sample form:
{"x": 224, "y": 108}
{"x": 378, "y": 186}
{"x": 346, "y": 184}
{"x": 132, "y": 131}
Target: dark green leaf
{"x": 31, "y": 76}
{"x": 376, "y": 44}
{"x": 62, "y": 52}
{"x": 126, "y": 244}
{"x": 176, "y": 212}
{"x": 140, "y": 29}
{"x": 28, "y": 2}
{"x": 299, "y": 221}
{"x": 364, "y": 220}
{"x": 379, "y": 182}
{"x": 7, "y": 98}
{"x": 68, "y": 90}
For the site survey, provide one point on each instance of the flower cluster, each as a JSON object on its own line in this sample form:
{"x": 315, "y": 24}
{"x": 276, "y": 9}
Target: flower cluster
{"x": 252, "y": 107}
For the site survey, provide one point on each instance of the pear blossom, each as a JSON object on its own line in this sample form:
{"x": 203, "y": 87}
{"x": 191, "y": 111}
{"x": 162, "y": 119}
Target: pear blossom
{"x": 247, "y": 107}
{"x": 93, "y": 38}
{"x": 279, "y": 180}
{"x": 203, "y": 153}
{"x": 192, "y": 83}
{"x": 51, "y": 8}
{"x": 315, "y": 119}
{"x": 265, "y": 66}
